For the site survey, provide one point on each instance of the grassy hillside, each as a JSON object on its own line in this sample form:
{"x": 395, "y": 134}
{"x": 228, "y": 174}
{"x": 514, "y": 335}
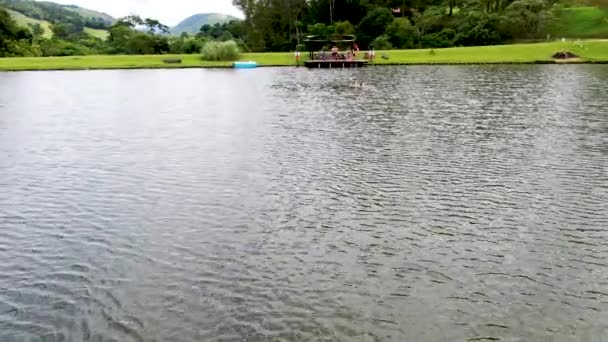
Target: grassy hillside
{"x": 54, "y": 12}
{"x": 24, "y": 21}
{"x": 101, "y": 34}
{"x": 581, "y": 22}
{"x": 194, "y": 23}
{"x": 590, "y": 51}
{"x": 87, "y": 13}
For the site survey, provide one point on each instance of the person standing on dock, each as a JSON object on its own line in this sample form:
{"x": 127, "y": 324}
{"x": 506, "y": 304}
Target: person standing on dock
{"x": 349, "y": 55}
{"x": 334, "y": 52}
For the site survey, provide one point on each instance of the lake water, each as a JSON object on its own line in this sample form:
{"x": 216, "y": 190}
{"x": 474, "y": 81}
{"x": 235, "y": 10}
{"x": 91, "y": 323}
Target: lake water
{"x": 430, "y": 203}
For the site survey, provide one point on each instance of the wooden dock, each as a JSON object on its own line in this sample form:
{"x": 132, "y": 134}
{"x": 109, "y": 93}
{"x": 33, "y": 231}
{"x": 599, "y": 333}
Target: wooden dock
{"x": 334, "y": 64}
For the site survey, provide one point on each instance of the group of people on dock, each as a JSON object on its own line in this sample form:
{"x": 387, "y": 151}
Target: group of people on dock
{"x": 336, "y": 54}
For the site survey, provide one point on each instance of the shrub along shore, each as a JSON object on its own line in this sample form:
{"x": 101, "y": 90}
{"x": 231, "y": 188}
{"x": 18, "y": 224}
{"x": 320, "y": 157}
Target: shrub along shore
{"x": 590, "y": 51}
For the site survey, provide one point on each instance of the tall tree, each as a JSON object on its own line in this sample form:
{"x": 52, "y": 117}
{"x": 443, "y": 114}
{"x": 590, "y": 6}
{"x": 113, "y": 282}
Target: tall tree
{"x": 373, "y": 25}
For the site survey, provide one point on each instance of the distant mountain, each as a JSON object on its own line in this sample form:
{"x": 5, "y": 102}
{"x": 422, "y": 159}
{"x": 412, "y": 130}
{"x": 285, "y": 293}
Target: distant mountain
{"x": 194, "y": 23}
{"x": 54, "y": 13}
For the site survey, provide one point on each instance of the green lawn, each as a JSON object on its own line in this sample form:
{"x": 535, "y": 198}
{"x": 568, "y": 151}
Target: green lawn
{"x": 581, "y": 22}
{"x": 134, "y": 62}
{"x": 517, "y": 53}
{"x": 591, "y": 51}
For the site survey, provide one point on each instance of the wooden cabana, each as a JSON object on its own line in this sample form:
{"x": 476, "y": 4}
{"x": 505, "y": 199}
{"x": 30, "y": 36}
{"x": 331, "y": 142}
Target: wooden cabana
{"x": 335, "y": 51}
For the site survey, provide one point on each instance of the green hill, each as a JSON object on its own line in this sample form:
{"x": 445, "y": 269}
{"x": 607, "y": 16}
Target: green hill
{"x": 194, "y": 23}
{"x": 53, "y": 13}
{"x": 88, "y": 13}
{"x": 581, "y": 22}
{"x": 27, "y": 12}
{"x": 25, "y": 21}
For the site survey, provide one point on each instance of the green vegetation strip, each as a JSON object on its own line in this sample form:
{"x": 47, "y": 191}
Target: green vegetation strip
{"x": 594, "y": 51}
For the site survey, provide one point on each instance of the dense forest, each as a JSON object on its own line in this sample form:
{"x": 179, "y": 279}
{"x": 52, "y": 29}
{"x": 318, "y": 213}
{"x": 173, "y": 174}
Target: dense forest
{"x": 277, "y": 25}
{"x": 282, "y": 25}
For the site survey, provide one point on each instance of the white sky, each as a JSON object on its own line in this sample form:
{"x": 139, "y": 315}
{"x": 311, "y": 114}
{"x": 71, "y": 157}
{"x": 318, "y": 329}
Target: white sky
{"x": 168, "y": 12}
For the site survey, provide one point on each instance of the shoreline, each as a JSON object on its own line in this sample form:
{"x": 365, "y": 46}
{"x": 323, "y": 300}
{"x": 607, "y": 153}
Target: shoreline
{"x": 229, "y": 67}
{"x": 590, "y": 52}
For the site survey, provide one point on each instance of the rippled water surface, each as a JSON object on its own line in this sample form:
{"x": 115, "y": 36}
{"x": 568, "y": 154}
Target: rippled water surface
{"x": 446, "y": 203}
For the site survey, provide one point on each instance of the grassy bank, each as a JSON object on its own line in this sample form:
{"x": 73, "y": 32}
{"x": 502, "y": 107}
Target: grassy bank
{"x": 581, "y": 22}
{"x": 133, "y": 62}
{"x": 590, "y": 51}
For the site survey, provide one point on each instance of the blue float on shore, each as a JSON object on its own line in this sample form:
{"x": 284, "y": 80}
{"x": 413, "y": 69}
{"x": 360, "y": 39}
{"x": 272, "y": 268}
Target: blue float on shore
{"x": 245, "y": 65}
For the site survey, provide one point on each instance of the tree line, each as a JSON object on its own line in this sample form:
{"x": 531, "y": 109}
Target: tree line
{"x": 279, "y": 25}
{"x": 282, "y": 25}
{"x": 129, "y": 35}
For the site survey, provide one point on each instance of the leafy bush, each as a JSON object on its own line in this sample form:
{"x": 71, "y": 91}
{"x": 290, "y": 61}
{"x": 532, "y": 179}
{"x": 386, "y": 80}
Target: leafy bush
{"x": 320, "y": 29}
{"x": 430, "y": 20}
{"x": 341, "y": 27}
{"x": 382, "y": 43}
{"x": 526, "y": 19}
{"x": 226, "y": 36}
{"x": 58, "y": 47}
{"x": 442, "y": 39}
{"x": 141, "y": 44}
{"x": 373, "y": 25}
{"x": 194, "y": 45}
{"x": 344, "y": 27}
{"x": 221, "y": 51}
{"x": 479, "y": 29}
{"x": 187, "y": 45}
{"x": 401, "y": 33}
{"x": 20, "y": 48}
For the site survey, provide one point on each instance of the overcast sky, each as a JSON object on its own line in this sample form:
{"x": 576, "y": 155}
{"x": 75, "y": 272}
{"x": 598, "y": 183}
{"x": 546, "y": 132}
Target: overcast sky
{"x": 168, "y": 12}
